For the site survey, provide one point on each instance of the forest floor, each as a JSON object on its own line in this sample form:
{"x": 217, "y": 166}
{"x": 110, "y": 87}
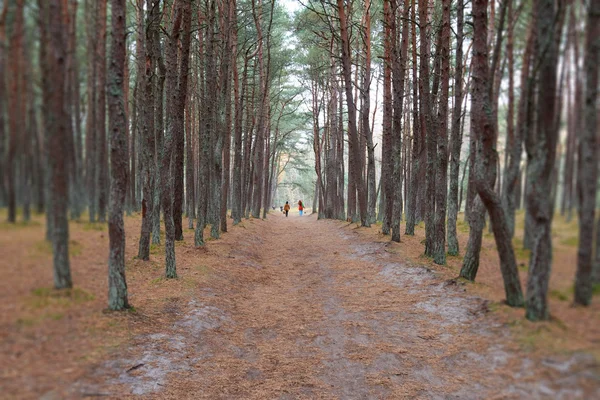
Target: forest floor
{"x": 286, "y": 308}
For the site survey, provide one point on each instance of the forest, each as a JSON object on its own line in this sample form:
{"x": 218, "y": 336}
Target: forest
{"x": 461, "y": 120}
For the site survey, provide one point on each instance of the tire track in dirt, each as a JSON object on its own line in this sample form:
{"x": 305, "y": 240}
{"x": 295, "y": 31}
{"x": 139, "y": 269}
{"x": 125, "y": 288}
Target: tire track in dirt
{"x": 307, "y": 309}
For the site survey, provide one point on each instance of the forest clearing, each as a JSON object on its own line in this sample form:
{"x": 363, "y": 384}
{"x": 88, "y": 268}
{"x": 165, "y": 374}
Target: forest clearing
{"x": 286, "y": 308}
{"x": 263, "y": 199}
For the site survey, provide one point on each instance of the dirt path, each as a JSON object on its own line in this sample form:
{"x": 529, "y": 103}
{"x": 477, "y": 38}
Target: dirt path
{"x": 301, "y": 308}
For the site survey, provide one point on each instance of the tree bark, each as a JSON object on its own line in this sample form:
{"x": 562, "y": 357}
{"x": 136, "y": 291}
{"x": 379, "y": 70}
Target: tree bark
{"x": 178, "y": 123}
{"x": 117, "y": 284}
{"x": 53, "y": 38}
{"x": 16, "y": 116}
{"x": 426, "y": 129}
{"x": 3, "y": 97}
{"x": 356, "y": 166}
{"x": 588, "y": 159}
{"x": 386, "y": 148}
{"x": 101, "y": 142}
{"x": 166, "y": 177}
{"x": 91, "y": 169}
{"x": 441, "y": 179}
{"x": 146, "y": 113}
{"x": 541, "y": 151}
{"x": 399, "y": 74}
{"x": 455, "y": 138}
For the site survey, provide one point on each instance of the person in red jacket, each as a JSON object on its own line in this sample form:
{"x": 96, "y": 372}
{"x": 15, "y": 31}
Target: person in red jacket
{"x": 300, "y": 207}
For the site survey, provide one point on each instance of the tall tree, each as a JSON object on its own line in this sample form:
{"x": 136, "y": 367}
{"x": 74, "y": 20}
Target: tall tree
{"x": 483, "y": 120}
{"x": 179, "y": 119}
{"x": 2, "y": 102}
{"x": 148, "y": 141}
{"x": 398, "y": 76}
{"x": 386, "y": 148}
{"x": 441, "y": 179}
{"x": 91, "y": 151}
{"x": 426, "y": 126}
{"x": 54, "y": 43}
{"x": 16, "y": 116}
{"x": 101, "y": 142}
{"x": 355, "y": 160}
{"x": 588, "y": 159}
{"x": 166, "y": 178}
{"x": 455, "y": 137}
{"x": 119, "y": 160}
{"x": 541, "y": 152}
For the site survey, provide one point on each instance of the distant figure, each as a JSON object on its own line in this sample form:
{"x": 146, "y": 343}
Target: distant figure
{"x": 281, "y": 208}
{"x": 300, "y": 207}
{"x": 286, "y": 209}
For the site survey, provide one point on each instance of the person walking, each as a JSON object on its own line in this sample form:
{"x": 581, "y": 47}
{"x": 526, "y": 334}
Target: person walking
{"x": 300, "y": 207}
{"x": 286, "y": 209}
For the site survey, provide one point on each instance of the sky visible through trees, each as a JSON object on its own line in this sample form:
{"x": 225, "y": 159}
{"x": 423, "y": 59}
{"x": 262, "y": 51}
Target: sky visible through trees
{"x": 199, "y": 114}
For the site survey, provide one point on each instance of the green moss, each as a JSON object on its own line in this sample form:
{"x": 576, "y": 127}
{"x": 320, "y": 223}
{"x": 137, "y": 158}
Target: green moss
{"x": 44, "y": 297}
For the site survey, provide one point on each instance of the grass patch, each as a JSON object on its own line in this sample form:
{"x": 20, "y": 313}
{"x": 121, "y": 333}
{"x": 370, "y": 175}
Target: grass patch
{"x": 572, "y": 241}
{"x": 562, "y": 294}
{"x": 462, "y": 226}
{"x": 45, "y": 297}
{"x": 155, "y": 248}
{"x": 94, "y": 226}
{"x": 20, "y": 224}
{"x": 157, "y": 281}
{"x": 203, "y": 269}
{"x": 44, "y": 247}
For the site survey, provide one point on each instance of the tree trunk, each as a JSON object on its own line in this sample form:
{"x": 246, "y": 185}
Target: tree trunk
{"x": 455, "y": 139}
{"x": 138, "y": 107}
{"x": 159, "y": 128}
{"x": 16, "y": 117}
{"x": 417, "y": 145}
{"x": 426, "y": 129}
{"x": 117, "y": 285}
{"x": 515, "y": 138}
{"x": 3, "y": 97}
{"x": 91, "y": 169}
{"x": 228, "y": 57}
{"x": 172, "y": 99}
{"x": 146, "y": 115}
{"x": 365, "y": 111}
{"x": 441, "y": 179}
{"x": 53, "y": 39}
{"x": 588, "y": 159}
{"x": 101, "y": 142}
{"x": 386, "y": 148}
{"x": 399, "y": 74}
{"x": 541, "y": 151}
{"x": 178, "y": 119}
{"x": 356, "y": 166}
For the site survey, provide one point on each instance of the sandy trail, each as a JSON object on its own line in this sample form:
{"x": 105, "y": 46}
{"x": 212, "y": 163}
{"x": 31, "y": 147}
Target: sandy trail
{"x": 301, "y": 308}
